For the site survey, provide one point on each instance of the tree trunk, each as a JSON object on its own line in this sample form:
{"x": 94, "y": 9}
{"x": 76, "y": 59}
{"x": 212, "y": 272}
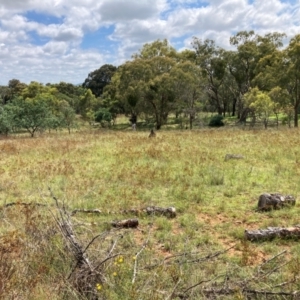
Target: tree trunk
{"x": 233, "y": 107}
{"x": 191, "y": 121}
{"x": 296, "y": 115}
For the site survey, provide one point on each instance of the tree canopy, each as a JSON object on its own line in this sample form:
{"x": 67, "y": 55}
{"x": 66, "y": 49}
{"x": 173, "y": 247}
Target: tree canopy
{"x": 259, "y": 76}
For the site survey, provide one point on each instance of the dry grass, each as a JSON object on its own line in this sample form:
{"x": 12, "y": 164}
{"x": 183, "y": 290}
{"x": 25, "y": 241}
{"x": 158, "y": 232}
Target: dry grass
{"x": 112, "y": 171}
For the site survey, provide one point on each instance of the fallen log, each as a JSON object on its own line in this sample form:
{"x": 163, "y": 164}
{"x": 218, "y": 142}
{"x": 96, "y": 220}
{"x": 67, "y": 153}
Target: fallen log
{"x": 233, "y": 156}
{"x": 169, "y": 212}
{"x": 271, "y": 201}
{"x": 273, "y": 232}
{"x": 129, "y": 223}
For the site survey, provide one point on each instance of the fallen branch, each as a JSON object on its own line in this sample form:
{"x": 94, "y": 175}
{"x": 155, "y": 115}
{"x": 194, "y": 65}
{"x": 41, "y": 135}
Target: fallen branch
{"x": 137, "y": 255}
{"x": 272, "y": 232}
{"x": 83, "y": 275}
{"x": 169, "y": 212}
{"x": 230, "y": 291}
{"x": 170, "y": 259}
{"x": 259, "y": 270}
{"x": 89, "y": 211}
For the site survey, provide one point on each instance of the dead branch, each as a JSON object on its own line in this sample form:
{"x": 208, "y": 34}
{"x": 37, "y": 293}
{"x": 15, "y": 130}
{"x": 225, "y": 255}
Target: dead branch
{"x": 207, "y": 257}
{"x": 230, "y": 291}
{"x": 83, "y": 274}
{"x": 269, "y": 260}
{"x": 169, "y": 212}
{"x": 171, "y": 259}
{"x": 173, "y": 291}
{"x": 89, "y": 211}
{"x": 138, "y": 254}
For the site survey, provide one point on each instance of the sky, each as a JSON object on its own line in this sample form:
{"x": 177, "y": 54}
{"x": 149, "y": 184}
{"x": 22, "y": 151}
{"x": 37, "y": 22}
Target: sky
{"x": 50, "y": 41}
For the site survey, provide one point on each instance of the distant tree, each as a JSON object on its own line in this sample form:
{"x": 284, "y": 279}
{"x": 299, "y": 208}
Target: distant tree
{"x": 70, "y": 93}
{"x": 243, "y": 63}
{"x": 98, "y": 79}
{"x": 211, "y": 60}
{"x": 291, "y": 65}
{"x": 261, "y": 103}
{"x": 282, "y": 103}
{"x": 6, "y": 119}
{"x": 15, "y": 89}
{"x": 4, "y": 94}
{"x": 31, "y": 114}
{"x": 88, "y": 104}
{"x": 67, "y": 116}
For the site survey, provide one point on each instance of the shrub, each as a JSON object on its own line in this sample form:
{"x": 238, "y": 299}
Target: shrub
{"x": 216, "y": 121}
{"x": 103, "y": 116}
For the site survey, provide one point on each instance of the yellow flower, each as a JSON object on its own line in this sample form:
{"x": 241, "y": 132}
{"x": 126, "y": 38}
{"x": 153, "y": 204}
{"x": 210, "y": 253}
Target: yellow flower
{"x": 134, "y": 258}
{"x": 115, "y": 273}
{"x": 120, "y": 260}
{"x": 98, "y": 286}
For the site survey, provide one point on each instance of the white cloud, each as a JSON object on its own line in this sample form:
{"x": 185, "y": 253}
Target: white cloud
{"x": 121, "y": 10}
{"x": 32, "y": 49}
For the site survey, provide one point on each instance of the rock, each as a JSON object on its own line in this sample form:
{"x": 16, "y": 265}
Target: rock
{"x": 268, "y": 202}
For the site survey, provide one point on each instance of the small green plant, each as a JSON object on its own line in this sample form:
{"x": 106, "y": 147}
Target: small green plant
{"x": 216, "y": 121}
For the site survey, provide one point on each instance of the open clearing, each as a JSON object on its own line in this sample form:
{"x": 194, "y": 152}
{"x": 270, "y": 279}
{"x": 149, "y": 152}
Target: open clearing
{"x": 114, "y": 171}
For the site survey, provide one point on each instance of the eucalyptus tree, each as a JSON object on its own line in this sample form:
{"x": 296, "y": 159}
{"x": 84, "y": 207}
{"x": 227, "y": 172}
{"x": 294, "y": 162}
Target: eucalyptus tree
{"x": 243, "y": 63}
{"x": 283, "y": 104}
{"x": 7, "y": 117}
{"x": 261, "y": 103}
{"x": 212, "y": 61}
{"x": 281, "y": 70}
{"x": 145, "y": 84}
{"x": 189, "y": 89}
{"x": 158, "y": 81}
{"x": 31, "y": 114}
{"x": 98, "y": 79}
{"x": 291, "y": 80}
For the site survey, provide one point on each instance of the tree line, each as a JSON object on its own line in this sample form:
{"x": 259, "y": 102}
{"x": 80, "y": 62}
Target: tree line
{"x": 255, "y": 80}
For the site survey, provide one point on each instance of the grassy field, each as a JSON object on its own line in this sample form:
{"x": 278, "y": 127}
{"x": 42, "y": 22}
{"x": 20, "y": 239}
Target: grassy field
{"x": 200, "y": 254}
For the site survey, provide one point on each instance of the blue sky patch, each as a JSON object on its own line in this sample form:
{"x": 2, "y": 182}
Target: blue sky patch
{"x": 98, "y": 39}
{"x": 42, "y": 18}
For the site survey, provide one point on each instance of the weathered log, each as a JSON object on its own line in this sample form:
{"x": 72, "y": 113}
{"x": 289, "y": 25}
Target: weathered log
{"x": 168, "y": 212}
{"x": 129, "y": 223}
{"x": 273, "y": 232}
{"x": 233, "y": 156}
{"x": 268, "y": 201}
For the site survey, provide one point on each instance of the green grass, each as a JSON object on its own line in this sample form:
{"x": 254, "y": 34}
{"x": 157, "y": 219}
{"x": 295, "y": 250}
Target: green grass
{"x": 120, "y": 170}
